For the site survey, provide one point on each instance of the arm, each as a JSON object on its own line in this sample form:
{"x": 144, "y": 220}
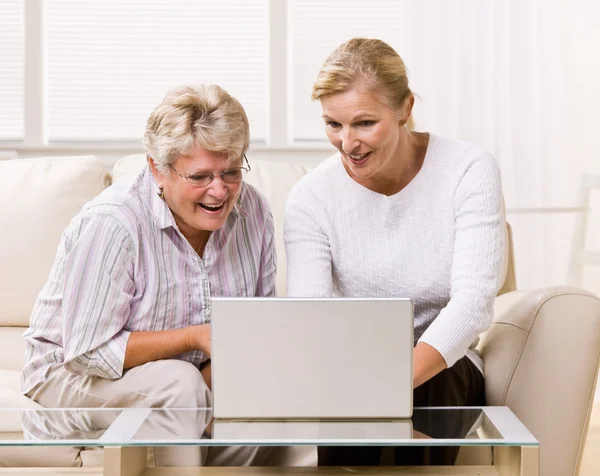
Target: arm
{"x": 427, "y": 363}
{"x": 477, "y": 270}
{"x": 97, "y": 296}
{"x": 98, "y": 289}
{"x": 147, "y": 346}
{"x": 307, "y": 247}
{"x": 268, "y": 260}
{"x": 206, "y": 371}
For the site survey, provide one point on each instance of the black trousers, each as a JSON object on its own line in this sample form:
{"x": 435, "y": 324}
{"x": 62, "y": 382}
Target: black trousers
{"x": 460, "y": 385}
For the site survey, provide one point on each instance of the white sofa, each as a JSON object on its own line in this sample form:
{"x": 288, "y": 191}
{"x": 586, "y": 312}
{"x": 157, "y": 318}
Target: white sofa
{"x": 536, "y": 343}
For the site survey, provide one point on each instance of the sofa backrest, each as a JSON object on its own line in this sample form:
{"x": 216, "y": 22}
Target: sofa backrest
{"x": 39, "y": 198}
{"x": 510, "y": 278}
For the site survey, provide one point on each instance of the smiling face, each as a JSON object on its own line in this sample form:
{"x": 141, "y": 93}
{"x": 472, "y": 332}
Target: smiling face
{"x": 198, "y": 209}
{"x": 365, "y": 130}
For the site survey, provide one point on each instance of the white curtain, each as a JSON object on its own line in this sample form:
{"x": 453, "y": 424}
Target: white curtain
{"x": 521, "y": 78}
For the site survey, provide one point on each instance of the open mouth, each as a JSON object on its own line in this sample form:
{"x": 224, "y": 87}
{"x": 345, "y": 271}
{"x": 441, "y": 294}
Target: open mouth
{"x": 212, "y": 207}
{"x": 359, "y": 159}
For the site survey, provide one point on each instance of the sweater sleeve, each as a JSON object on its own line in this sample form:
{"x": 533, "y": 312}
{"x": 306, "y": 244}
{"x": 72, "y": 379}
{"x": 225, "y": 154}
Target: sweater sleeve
{"x": 307, "y": 247}
{"x": 477, "y": 262}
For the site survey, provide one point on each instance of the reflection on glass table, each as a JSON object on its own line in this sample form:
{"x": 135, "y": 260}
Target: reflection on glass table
{"x": 65, "y": 424}
{"x": 126, "y": 434}
{"x": 151, "y": 427}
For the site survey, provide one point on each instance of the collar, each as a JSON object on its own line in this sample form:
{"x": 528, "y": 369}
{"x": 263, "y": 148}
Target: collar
{"x": 159, "y": 208}
{"x": 238, "y": 208}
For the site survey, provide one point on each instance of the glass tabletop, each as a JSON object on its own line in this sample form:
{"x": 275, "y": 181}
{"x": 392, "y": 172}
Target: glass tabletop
{"x": 429, "y": 426}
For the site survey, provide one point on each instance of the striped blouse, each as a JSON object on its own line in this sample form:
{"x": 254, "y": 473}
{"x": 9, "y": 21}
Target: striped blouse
{"x": 122, "y": 266}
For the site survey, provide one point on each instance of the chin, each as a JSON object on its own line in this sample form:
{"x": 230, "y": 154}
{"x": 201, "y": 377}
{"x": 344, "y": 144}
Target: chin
{"x": 215, "y": 223}
{"x": 211, "y": 225}
{"x": 365, "y": 171}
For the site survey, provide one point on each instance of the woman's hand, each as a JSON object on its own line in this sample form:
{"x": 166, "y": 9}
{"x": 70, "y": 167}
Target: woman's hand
{"x": 427, "y": 363}
{"x": 148, "y": 346}
{"x": 198, "y": 338}
{"x": 205, "y": 370}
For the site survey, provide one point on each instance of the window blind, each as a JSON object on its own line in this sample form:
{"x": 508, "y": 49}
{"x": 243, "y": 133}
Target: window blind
{"x": 316, "y": 29}
{"x": 109, "y": 62}
{"x": 11, "y": 70}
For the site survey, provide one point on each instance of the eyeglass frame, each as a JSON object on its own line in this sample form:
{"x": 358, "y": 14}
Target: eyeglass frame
{"x": 213, "y": 174}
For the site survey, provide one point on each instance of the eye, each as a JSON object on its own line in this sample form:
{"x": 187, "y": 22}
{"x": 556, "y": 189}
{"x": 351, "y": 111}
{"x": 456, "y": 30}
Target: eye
{"x": 232, "y": 175}
{"x": 366, "y": 123}
{"x": 200, "y": 178}
{"x": 333, "y": 124}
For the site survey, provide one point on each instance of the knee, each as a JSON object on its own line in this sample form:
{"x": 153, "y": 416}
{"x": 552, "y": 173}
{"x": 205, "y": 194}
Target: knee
{"x": 180, "y": 384}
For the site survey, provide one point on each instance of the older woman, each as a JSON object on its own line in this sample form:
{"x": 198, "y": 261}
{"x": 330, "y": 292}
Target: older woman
{"x": 124, "y": 318}
{"x": 399, "y": 213}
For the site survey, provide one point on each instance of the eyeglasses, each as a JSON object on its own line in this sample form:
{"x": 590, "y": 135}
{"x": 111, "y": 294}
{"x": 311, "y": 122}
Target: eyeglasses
{"x": 202, "y": 179}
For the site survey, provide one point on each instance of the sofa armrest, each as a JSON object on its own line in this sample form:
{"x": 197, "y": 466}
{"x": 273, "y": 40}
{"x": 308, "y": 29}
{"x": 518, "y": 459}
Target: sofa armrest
{"x": 541, "y": 359}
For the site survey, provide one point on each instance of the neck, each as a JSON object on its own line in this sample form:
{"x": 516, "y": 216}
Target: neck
{"x": 200, "y": 243}
{"x": 196, "y": 238}
{"x": 402, "y": 167}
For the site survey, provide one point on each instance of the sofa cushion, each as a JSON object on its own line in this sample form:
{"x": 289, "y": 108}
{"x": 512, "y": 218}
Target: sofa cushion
{"x": 10, "y": 392}
{"x": 40, "y": 198}
{"x": 32, "y": 457}
{"x": 12, "y": 348}
{"x": 273, "y": 179}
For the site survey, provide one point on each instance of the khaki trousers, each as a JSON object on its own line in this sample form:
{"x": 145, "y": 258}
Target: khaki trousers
{"x": 160, "y": 384}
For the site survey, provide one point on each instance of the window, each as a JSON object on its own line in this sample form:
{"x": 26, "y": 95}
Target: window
{"x": 11, "y": 70}
{"x": 316, "y": 28}
{"x": 109, "y": 62}
{"x": 104, "y": 64}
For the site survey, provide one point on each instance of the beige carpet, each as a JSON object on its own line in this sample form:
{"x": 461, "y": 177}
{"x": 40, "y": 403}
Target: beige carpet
{"x": 590, "y": 465}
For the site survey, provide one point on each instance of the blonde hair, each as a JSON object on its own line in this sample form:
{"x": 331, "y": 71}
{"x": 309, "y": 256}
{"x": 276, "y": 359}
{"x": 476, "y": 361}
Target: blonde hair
{"x": 189, "y": 116}
{"x": 366, "y": 61}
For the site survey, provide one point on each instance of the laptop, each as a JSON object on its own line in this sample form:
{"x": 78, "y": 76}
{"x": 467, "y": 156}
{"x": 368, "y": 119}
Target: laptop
{"x": 296, "y": 358}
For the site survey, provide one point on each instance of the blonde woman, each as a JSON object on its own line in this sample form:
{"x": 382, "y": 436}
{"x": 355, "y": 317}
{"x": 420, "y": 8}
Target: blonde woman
{"x": 124, "y": 318}
{"x": 399, "y": 213}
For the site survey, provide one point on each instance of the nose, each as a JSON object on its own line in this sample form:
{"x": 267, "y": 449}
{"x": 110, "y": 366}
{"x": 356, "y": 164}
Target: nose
{"x": 217, "y": 188}
{"x": 349, "y": 140}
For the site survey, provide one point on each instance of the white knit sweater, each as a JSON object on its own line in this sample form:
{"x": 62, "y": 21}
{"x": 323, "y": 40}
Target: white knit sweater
{"x": 439, "y": 241}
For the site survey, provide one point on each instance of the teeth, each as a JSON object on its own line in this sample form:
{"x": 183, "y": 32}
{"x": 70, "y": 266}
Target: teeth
{"x": 213, "y": 206}
{"x": 357, "y": 157}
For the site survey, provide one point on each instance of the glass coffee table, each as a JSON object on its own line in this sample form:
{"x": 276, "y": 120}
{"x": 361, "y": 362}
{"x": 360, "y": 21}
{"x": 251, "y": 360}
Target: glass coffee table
{"x": 125, "y": 435}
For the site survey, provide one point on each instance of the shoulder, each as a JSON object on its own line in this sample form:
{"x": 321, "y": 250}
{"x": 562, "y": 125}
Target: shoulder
{"x": 456, "y": 154}
{"x": 116, "y": 211}
{"x": 319, "y": 182}
{"x": 98, "y": 230}
{"x": 253, "y": 204}
{"x": 463, "y": 160}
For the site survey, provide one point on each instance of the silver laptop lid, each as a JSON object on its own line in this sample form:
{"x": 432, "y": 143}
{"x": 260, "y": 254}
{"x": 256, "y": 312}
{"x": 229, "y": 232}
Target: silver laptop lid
{"x": 291, "y": 358}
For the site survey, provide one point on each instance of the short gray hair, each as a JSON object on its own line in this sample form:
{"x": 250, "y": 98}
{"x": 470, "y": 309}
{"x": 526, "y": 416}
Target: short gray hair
{"x": 189, "y": 116}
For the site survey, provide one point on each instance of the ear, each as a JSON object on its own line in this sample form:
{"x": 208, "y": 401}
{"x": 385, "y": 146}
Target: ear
{"x": 155, "y": 173}
{"x": 409, "y": 102}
